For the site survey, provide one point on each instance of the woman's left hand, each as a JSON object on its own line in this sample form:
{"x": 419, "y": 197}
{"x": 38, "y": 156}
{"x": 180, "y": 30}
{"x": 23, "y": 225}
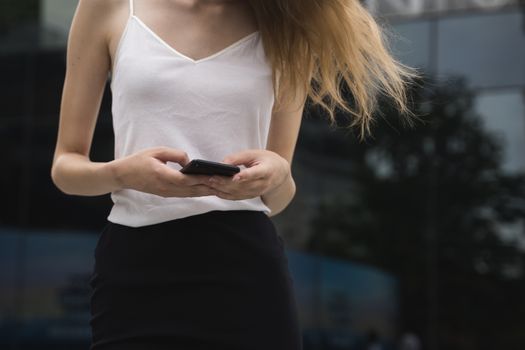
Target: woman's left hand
{"x": 265, "y": 170}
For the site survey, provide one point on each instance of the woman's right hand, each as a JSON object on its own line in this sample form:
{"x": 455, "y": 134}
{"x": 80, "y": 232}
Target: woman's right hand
{"x": 146, "y": 171}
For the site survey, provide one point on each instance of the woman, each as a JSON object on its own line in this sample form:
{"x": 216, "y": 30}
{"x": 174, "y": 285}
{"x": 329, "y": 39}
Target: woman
{"x": 194, "y": 261}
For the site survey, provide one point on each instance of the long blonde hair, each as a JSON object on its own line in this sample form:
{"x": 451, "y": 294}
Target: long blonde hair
{"x": 316, "y": 45}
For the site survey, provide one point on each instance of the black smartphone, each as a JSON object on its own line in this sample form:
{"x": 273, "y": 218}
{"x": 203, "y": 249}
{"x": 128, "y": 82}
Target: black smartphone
{"x": 208, "y": 167}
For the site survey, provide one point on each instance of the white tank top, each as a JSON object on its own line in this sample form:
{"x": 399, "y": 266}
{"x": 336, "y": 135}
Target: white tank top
{"x": 209, "y": 107}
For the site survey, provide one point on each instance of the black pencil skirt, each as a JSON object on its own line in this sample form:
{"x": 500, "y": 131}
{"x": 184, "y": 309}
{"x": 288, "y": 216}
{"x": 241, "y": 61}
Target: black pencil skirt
{"x": 217, "y": 280}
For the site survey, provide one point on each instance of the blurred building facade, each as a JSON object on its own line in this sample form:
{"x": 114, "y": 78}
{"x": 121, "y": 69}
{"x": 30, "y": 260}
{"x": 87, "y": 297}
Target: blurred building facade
{"x": 481, "y": 40}
{"x": 370, "y": 289}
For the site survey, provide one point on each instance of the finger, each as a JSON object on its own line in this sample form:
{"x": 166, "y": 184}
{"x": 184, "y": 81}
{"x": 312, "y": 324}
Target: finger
{"x": 167, "y": 154}
{"x": 167, "y": 173}
{"x": 195, "y": 179}
{"x": 196, "y": 191}
{"x": 229, "y": 188}
{"x": 256, "y": 186}
{"x": 246, "y": 190}
{"x": 175, "y": 177}
{"x": 203, "y": 190}
{"x": 222, "y": 187}
{"x": 250, "y": 174}
{"x": 245, "y": 174}
{"x": 225, "y": 195}
{"x": 244, "y": 157}
{"x": 253, "y": 188}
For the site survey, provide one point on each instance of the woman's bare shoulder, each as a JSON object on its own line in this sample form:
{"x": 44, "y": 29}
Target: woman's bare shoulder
{"x": 98, "y": 16}
{"x": 101, "y": 7}
{"x": 95, "y": 26}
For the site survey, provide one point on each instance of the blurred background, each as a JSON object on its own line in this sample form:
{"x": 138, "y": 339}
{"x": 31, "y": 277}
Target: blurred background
{"x": 414, "y": 239}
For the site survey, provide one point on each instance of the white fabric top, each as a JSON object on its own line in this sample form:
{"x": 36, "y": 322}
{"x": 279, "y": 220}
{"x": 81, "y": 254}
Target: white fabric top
{"x": 209, "y": 108}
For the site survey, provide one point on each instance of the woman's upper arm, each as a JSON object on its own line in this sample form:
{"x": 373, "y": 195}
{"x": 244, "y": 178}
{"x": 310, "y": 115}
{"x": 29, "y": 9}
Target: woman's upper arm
{"x": 87, "y": 68}
{"x": 284, "y": 127}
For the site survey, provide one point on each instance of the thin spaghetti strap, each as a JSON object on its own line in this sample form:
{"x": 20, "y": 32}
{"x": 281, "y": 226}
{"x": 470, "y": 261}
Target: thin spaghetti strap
{"x": 130, "y": 8}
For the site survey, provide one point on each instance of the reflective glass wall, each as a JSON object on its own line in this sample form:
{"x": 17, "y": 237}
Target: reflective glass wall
{"x": 413, "y": 239}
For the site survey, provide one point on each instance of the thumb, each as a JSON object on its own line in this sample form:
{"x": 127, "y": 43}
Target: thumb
{"x": 166, "y": 154}
{"x": 244, "y": 158}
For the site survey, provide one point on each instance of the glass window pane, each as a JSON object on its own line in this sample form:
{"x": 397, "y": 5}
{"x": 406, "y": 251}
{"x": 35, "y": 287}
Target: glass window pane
{"x": 504, "y": 113}
{"x": 55, "y": 18}
{"x": 9, "y": 243}
{"x": 409, "y": 8}
{"x": 412, "y": 43}
{"x": 488, "y": 49}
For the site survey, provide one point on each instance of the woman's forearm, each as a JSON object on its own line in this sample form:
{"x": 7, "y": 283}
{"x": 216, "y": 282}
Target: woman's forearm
{"x": 75, "y": 174}
{"x": 278, "y": 198}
